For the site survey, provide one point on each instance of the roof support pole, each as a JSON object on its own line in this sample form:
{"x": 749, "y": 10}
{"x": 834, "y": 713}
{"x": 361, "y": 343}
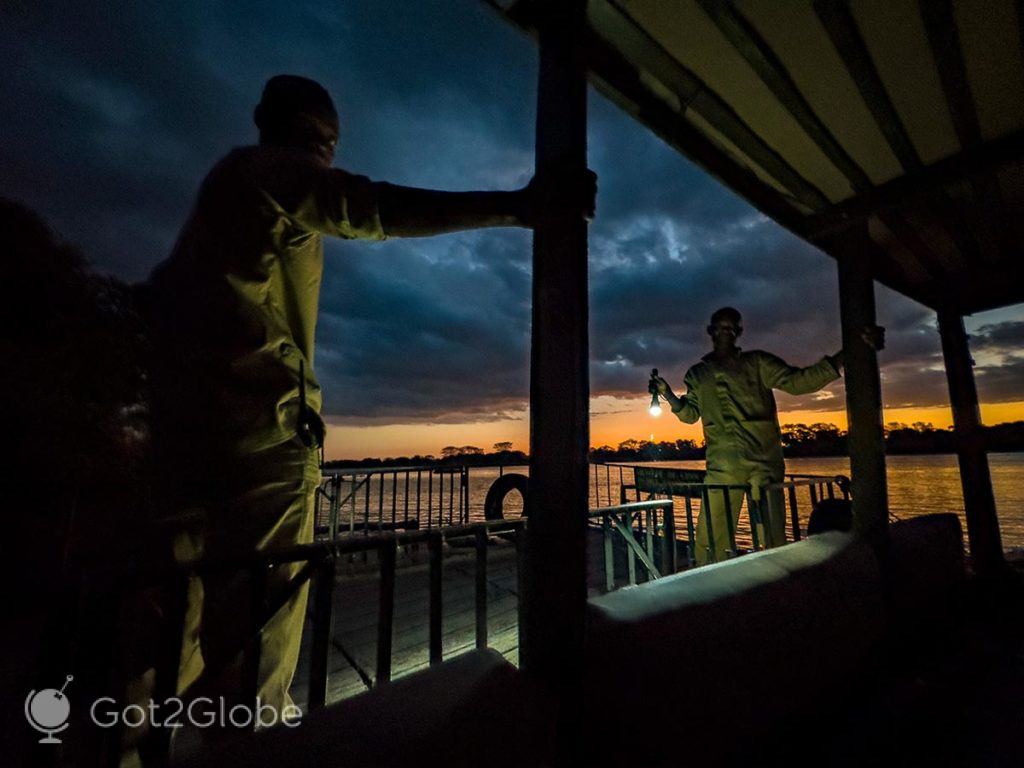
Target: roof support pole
{"x": 551, "y": 640}
{"x": 979, "y": 502}
{"x": 863, "y": 387}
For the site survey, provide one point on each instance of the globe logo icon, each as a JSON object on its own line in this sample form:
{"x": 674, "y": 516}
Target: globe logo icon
{"x": 48, "y": 710}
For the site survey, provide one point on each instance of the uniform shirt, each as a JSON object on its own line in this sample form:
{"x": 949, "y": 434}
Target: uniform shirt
{"x": 736, "y": 406}
{"x": 234, "y": 307}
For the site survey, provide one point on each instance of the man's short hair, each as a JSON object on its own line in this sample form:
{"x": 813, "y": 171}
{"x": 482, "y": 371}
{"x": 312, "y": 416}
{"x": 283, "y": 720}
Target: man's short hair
{"x": 284, "y": 97}
{"x": 727, "y": 312}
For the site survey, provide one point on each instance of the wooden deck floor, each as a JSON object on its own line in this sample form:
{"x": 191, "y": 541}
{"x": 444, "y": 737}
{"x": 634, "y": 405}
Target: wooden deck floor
{"x": 353, "y": 659}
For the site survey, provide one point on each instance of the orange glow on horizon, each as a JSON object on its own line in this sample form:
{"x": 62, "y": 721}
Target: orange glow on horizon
{"x": 612, "y": 420}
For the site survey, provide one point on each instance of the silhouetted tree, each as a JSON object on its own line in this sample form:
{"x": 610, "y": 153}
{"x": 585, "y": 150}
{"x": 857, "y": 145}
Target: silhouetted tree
{"x": 72, "y": 367}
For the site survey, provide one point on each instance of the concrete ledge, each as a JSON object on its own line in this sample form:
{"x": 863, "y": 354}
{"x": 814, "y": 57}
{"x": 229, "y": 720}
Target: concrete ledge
{"x": 728, "y": 652}
{"x": 473, "y": 710}
{"x": 926, "y": 558}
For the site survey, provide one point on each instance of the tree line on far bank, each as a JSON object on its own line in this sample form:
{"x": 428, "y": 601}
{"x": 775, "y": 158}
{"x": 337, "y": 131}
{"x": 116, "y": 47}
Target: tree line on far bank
{"x": 797, "y": 440}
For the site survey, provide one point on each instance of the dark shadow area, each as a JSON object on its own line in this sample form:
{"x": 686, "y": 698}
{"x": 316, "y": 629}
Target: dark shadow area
{"x": 72, "y": 366}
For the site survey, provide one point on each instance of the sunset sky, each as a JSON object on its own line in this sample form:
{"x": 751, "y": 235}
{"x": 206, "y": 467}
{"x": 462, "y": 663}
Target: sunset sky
{"x": 112, "y": 117}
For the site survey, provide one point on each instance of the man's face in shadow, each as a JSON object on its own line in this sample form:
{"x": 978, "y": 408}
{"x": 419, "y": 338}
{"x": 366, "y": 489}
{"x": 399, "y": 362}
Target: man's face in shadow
{"x": 724, "y": 331}
{"x": 316, "y": 133}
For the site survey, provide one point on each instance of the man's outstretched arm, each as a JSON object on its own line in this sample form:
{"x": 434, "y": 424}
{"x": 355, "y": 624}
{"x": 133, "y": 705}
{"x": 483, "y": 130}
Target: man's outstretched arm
{"x": 412, "y": 212}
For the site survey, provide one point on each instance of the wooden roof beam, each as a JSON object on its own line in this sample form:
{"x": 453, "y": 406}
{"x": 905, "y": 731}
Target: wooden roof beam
{"x": 839, "y": 23}
{"x": 972, "y": 292}
{"x": 633, "y": 41}
{"x": 925, "y": 263}
{"x": 762, "y": 59}
{"x": 837, "y": 18}
{"x": 618, "y": 80}
{"x": 944, "y": 41}
{"x": 610, "y": 22}
{"x": 918, "y": 186}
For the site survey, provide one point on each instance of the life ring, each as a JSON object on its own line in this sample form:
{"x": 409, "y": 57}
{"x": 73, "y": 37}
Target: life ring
{"x": 494, "y": 504}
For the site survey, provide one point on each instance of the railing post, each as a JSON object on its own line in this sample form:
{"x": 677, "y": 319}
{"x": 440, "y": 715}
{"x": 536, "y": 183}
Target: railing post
{"x": 705, "y": 512}
{"x": 975, "y": 478}
{"x": 690, "y": 530}
{"x": 335, "y": 485}
{"x": 323, "y": 614}
{"x": 451, "y": 497}
{"x": 435, "y": 544}
{"x": 520, "y": 544}
{"x": 253, "y": 650}
{"x": 863, "y": 386}
{"x": 481, "y": 588}
{"x": 394, "y": 499}
{"x": 627, "y": 522}
{"x": 609, "y": 553}
{"x": 668, "y": 559}
{"x": 366, "y": 506}
{"x": 793, "y": 514}
{"x": 756, "y": 518}
{"x": 729, "y": 526}
{"x": 386, "y": 609}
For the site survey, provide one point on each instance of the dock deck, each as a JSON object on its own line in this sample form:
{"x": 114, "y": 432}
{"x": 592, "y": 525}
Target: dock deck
{"x": 353, "y": 658}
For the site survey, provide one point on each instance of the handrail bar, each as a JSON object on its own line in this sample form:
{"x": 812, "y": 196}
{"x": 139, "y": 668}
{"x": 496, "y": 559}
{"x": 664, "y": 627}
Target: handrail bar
{"x": 638, "y": 506}
{"x": 452, "y": 468}
{"x": 307, "y": 552}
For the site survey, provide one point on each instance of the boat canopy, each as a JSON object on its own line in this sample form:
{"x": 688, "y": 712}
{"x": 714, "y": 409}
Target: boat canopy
{"x": 900, "y": 116}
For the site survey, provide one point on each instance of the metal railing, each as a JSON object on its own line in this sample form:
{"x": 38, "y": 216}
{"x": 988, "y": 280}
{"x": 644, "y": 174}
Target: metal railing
{"x": 369, "y": 501}
{"x": 747, "y": 534}
{"x": 634, "y": 523}
{"x": 102, "y": 599}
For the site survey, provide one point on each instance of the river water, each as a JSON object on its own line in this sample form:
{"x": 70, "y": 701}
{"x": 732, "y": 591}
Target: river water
{"x": 917, "y": 485}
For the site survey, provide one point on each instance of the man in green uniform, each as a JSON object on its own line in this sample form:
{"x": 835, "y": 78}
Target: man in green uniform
{"x": 730, "y": 391}
{"x": 236, "y": 403}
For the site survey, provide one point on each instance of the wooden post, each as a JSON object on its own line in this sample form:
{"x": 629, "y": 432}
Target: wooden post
{"x": 979, "y": 502}
{"x": 556, "y": 573}
{"x": 863, "y": 387}
{"x": 559, "y": 388}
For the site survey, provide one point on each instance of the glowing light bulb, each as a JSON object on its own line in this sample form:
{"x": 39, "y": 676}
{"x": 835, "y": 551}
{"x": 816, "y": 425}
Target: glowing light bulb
{"x": 655, "y": 409}
{"x": 652, "y": 387}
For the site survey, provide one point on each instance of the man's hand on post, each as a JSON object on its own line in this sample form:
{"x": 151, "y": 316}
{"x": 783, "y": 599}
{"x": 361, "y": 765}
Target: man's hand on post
{"x": 874, "y": 337}
{"x": 557, "y": 192}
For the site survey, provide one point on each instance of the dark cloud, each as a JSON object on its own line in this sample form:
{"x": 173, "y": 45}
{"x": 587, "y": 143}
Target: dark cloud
{"x": 113, "y": 112}
{"x": 1006, "y": 337}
